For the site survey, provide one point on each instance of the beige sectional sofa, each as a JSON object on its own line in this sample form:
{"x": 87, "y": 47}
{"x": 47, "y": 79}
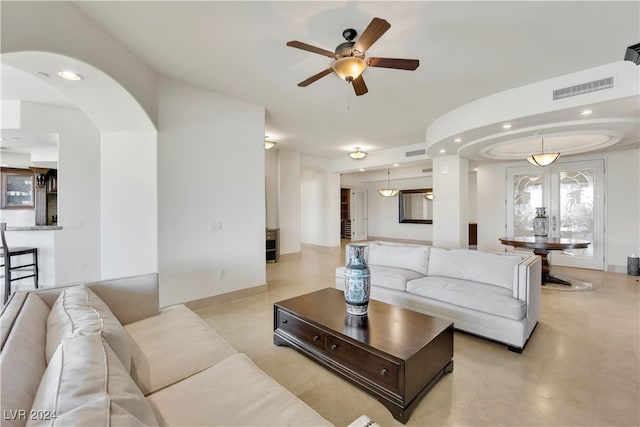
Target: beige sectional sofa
{"x": 104, "y": 354}
{"x": 496, "y": 296}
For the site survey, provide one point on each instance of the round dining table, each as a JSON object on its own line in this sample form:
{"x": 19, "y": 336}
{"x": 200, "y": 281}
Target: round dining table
{"x": 542, "y": 247}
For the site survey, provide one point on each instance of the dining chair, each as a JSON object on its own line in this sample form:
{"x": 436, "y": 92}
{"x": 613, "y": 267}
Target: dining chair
{"x": 11, "y": 271}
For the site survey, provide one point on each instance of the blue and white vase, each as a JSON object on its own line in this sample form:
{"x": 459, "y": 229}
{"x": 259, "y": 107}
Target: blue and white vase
{"x": 357, "y": 281}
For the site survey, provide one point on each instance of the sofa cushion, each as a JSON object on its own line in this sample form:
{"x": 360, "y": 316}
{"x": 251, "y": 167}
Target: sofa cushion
{"x": 413, "y": 258}
{"x": 171, "y": 346}
{"x": 22, "y": 361}
{"x": 473, "y": 295}
{"x": 86, "y": 384}
{"x": 465, "y": 264}
{"x": 235, "y": 392}
{"x": 386, "y": 277}
{"x": 77, "y": 311}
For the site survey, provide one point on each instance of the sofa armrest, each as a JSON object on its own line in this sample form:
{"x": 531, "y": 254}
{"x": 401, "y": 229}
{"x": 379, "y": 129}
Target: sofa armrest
{"x": 130, "y": 298}
{"x": 529, "y": 285}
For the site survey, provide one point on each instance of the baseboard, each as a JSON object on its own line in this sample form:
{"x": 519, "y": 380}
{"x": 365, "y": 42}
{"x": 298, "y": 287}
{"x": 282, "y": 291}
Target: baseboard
{"x": 223, "y": 298}
{"x": 617, "y": 268}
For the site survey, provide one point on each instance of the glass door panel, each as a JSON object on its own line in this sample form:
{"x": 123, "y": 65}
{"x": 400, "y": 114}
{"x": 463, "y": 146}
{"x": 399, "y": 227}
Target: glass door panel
{"x": 578, "y": 211}
{"x": 572, "y": 194}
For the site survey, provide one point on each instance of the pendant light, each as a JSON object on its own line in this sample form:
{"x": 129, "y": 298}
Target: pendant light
{"x": 542, "y": 158}
{"x": 388, "y": 192}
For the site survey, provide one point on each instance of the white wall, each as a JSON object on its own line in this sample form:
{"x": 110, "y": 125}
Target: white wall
{"x": 289, "y": 201}
{"x": 383, "y": 212}
{"x": 271, "y": 187}
{"x": 320, "y": 202}
{"x": 211, "y": 180}
{"x": 622, "y": 205}
{"x": 77, "y": 245}
{"x": 128, "y": 203}
{"x": 450, "y": 206}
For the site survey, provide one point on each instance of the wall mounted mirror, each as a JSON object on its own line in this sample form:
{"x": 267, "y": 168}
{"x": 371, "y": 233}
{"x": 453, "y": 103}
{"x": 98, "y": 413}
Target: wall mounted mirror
{"x": 416, "y": 206}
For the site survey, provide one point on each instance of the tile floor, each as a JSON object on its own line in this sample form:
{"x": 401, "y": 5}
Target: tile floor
{"x": 580, "y": 368}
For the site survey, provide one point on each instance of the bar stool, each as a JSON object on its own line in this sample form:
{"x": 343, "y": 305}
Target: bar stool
{"x": 9, "y": 269}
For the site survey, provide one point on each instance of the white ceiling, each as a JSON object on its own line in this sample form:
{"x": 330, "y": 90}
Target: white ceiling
{"x": 467, "y": 50}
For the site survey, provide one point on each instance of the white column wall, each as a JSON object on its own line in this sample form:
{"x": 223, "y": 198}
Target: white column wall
{"x": 211, "y": 180}
{"x": 450, "y": 206}
{"x": 289, "y": 201}
{"x": 271, "y": 187}
{"x": 128, "y": 203}
{"x": 320, "y": 202}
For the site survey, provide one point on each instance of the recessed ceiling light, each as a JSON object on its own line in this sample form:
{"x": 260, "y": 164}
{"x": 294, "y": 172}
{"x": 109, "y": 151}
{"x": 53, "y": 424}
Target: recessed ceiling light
{"x": 475, "y": 169}
{"x": 396, "y": 164}
{"x": 586, "y": 112}
{"x": 443, "y": 151}
{"x": 457, "y": 140}
{"x": 362, "y": 169}
{"x": 70, "y": 75}
{"x": 41, "y": 74}
{"x": 506, "y": 126}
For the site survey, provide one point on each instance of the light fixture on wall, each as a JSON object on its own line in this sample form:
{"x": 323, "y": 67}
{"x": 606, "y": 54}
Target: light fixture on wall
{"x": 357, "y": 155}
{"x": 428, "y": 195}
{"x": 388, "y": 191}
{"x": 542, "y": 158}
{"x": 268, "y": 145}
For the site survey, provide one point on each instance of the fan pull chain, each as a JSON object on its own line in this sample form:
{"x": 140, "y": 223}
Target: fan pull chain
{"x": 348, "y": 96}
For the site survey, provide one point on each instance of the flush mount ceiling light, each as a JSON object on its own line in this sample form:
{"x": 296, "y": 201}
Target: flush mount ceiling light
{"x": 357, "y": 155}
{"x": 388, "y": 191}
{"x": 542, "y": 158}
{"x": 70, "y": 75}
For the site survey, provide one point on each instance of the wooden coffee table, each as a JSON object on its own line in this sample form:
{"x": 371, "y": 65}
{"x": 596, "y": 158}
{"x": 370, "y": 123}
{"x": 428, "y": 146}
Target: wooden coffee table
{"x": 395, "y": 354}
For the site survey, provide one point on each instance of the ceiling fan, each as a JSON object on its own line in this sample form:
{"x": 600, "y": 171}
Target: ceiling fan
{"x": 349, "y": 57}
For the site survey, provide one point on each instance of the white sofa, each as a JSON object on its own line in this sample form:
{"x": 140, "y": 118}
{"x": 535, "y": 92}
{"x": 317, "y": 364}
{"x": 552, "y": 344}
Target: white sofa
{"x": 496, "y": 296}
{"x": 104, "y": 354}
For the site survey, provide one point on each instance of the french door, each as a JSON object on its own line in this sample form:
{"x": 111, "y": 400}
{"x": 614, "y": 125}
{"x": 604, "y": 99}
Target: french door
{"x": 359, "y": 214}
{"x": 573, "y": 193}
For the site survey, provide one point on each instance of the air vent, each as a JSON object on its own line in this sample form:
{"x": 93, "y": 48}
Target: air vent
{"x": 427, "y": 170}
{"x": 583, "y": 88}
{"x": 415, "y": 153}
{"x": 633, "y": 54}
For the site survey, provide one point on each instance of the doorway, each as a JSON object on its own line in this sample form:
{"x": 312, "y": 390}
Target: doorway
{"x": 573, "y": 195}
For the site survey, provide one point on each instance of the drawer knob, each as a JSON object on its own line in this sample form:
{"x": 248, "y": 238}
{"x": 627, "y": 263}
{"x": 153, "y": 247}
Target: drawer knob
{"x": 285, "y": 321}
{"x": 383, "y": 372}
{"x": 316, "y": 338}
{"x": 334, "y": 346}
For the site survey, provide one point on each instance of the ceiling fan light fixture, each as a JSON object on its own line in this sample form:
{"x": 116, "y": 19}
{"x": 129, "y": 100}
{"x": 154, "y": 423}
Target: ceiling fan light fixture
{"x": 349, "y": 68}
{"x": 542, "y": 158}
{"x": 357, "y": 155}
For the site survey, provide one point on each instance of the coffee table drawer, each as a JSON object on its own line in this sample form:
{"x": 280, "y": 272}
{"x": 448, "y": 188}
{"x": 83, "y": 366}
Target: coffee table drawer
{"x": 373, "y": 367}
{"x": 301, "y": 329}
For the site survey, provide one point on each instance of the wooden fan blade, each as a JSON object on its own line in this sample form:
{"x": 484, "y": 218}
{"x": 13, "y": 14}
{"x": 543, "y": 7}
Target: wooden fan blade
{"x": 315, "y": 77}
{"x": 359, "y": 86}
{"x": 397, "y": 63}
{"x": 309, "y": 48}
{"x": 377, "y": 27}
